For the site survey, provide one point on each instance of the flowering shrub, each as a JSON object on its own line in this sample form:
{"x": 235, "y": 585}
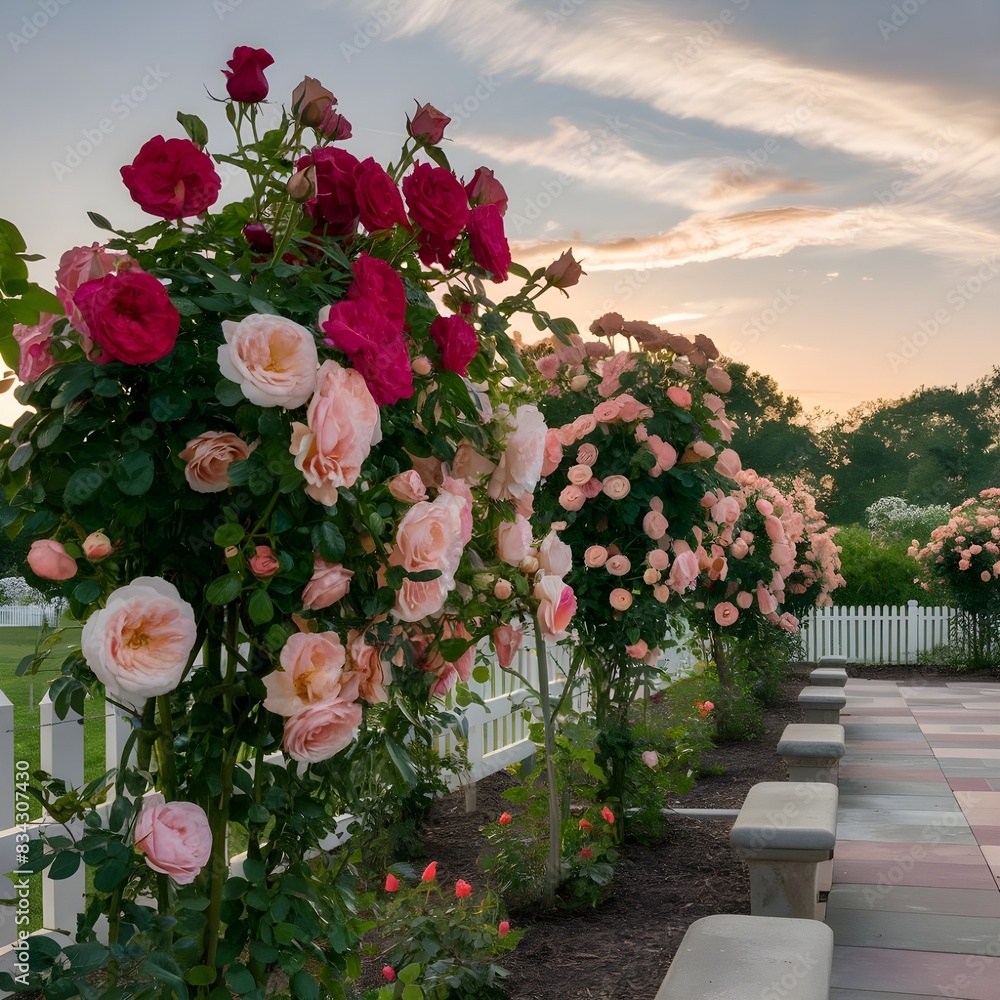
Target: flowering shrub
{"x": 892, "y": 518}
{"x": 265, "y": 470}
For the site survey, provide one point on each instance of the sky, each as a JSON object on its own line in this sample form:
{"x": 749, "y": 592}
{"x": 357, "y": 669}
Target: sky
{"x": 813, "y": 185}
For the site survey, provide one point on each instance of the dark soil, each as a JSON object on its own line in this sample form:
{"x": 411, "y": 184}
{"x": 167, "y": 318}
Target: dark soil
{"x": 622, "y": 948}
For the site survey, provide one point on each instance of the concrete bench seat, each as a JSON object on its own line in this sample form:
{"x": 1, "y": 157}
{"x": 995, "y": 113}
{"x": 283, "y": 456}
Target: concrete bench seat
{"x": 812, "y": 752}
{"x": 832, "y": 661}
{"x": 735, "y": 957}
{"x": 822, "y": 705}
{"x": 828, "y": 677}
{"x": 785, "y": 831}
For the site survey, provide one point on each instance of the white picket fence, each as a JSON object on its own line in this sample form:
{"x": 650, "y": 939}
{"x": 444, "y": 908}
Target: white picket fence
{"x": 30, "y": 614}
{"x": 875, "y": 635}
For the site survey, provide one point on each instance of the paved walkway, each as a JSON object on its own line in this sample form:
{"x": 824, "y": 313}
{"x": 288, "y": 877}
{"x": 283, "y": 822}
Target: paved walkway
{"x": 915, "y": 904}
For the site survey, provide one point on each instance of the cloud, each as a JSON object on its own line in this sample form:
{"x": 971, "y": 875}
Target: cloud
{"x": 800, "y": 347}
{"x": 677, "y": 317}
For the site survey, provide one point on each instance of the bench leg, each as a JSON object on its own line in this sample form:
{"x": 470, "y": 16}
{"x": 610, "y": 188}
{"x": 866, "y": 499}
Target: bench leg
{"x": 821, "y": 716}
{"x": 815, "y": 772}
{"x": 784, "y": 889}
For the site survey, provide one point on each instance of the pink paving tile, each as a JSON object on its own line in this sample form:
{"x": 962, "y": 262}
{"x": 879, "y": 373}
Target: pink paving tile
{"x": 945, "y": 876}
{"x": 878, "y": 850}
{"x": 988, "y": 835}
{"x": 978, "y": 799}
{"x": 929, "y": 973}
{"x": 992, "y": 854}
{"x": 970, "y": 785}
{"x": 978, "y": 816}
{"x": 912, "y": 748}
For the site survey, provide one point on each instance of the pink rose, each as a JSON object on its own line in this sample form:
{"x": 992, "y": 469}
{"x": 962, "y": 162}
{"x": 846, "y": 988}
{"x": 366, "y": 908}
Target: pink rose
{"x": 507, "y": 641}
{"x": 565, "y": 271}
{"x": 684, "y": 571}
{"x": 207, "y": 459}
{"x": 140, "y": 642}
{"x": 485, "y": 189}
{"x": 335, "y": 204}
{"x": 726, "y": 511}
{"x": 718, "y": 379}
{"x": 630, "y": 409}
{"x": 264, "y": 563}
{"x": 658, "y": 559}
{"x": 520, "y": 466}
{"x": 556, "y": 606}
{"x": 571, "y": 498}
{"x": 655, "y": 525}
{"x": 312, "y": 671}
{"x": 79, "y": 265}
{"x": 330, "y": 582}
{"x": 245, "y": 79}
{"x": 789, "y": 622}
{"x": 322, "y": 730}
{"x": 586, "y": 454}
{"x": 172, "y": 178}
{"x": 583, "y": 425}
{"x": 272, "y": 359}
{"x": 650, "y": 758}
{"x": 548, "y": 366}
{"x": 97, "y": 546}
{"x": 553, "y": 452}
{"x": 502, "y": 589}
{"x": 744, "y": 599}
{"x": 488, "y": 242}
{"x": 578, "y": 475}
{"x": 34, "y": 341}
{"x": 130, "y": 315}
{"x": 765, "y": 600}
{"x": 617, "y": 487}
{"x": 726, "y": 613}
{"x": 739, "y": 548}
{"x": 555, "y": 557}
{"x": 728, "y": 464}
{"x": 428, "y": 124}
{"x": 638, "y": 650}
{"x": 50, "y": 560}
{"x": 595, "y": 556}
{"x": 765, "y": 507}
{"x": 379, "y": 202}
{"x": 665, "y": 453}
{"x": 774, "y": 528}
{"x": 618, "y": 565}
{"x": 408, "y": 486}
{"x": 367, "y": 668}
{"x": 175, "y": 837}
{"x": 342, "y": 424}
{"x": 514, "y": 541}
{"x": 461, "y": 489}
{"x": 679, "y": 396}
{"x": 457, "y": 341}
{"x": 620, "y": 599}
{"x": 606, "y": 412}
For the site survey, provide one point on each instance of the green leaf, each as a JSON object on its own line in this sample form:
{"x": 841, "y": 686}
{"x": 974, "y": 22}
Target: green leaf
{"x": 228, "y": 393}
{"x": 100, "y": 221}
{"x": 224, "y": 589}
{"x": 402, "y": 761}
{"x": 170, "y": 403}
{"x": 108, "y": 876}
{"x": 254, "y": 870}
{"x": 304, "y": 987}
{"x": 412, "y": 992}
{"x": 87, "y": 591}
{"x": 81, "y": 486}
{"x": 20, "y": 457}
{"x": 260, "y": 607}
{"x": 410, "y": 973}
{"x": 197, "y": 132}
{"x": 134, "y": 473}
{"x": 229, "y": 534}
{"x": 201, "y": 975}
{"x": 65, "y": 864}
{"x": 328, "y": 541}
{"x": 481, "y": 674}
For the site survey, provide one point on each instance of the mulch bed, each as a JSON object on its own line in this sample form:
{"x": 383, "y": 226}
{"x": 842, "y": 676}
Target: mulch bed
{"x": 622, "y": 948}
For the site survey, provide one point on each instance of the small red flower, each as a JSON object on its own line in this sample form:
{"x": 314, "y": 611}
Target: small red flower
{"x": 462, "y": 888}
{"x": 585, "y": 824}
{"x": 586, "y": 853}
{"x": 503, "y": 929}
{"x": 430, "y": 872}
{"x": 391, "y": 883}
{"x": 505, "y": 819}
{"x": 609, "y": 816}
{"x": 389, "y": 972}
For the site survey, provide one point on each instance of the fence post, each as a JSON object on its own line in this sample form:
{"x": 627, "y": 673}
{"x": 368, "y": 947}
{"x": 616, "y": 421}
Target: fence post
{"x": 913, "y": 630}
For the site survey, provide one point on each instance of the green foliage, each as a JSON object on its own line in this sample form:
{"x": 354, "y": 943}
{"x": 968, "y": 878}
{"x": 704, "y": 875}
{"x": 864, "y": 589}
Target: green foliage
{"x": 878, "y": 571}
{"x": 893, "y": 519}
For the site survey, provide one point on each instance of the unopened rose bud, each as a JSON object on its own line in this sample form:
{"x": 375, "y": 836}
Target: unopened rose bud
{"x": 232, "y": 552}
{"x": 302, "y": 184}
{"x": 428, "y": 124}
{"x": 97, "y": 546}
{"x": 421, "y": 365}
{"x": 529, "y": 564}
{"x": 502, "y": 590}
{"x": 579, "y": 382}
{"x": 483, "y": 581}
{"x": 565, "y": 271}
{"x": 310, "y": 99}
{"x": 367, "y": 542}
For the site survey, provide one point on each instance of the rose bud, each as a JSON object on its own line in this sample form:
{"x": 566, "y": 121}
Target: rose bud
{"x": 428, "y": 124}
{"x": 50, "y": 560}
{"x": 502, "y": 589}
{"x": 97, "y": 546}
{"x": 302, "y": 184}
{"x": 245, "y": 79}
{"x": 310, "y": 99}
{"x": 565, "y": 271}
{"x": 334, "y": 125}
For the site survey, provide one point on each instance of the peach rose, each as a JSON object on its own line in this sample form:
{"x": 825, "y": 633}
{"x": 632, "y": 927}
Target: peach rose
{"x": 553, "y": 452}
{"x": 342, "y": 424}
{"x": 578, "y": 475}
{"x": 571, "y": 498}
{"x": 684, "y": 571}
{"x": 638, "y": 650}
{"x": 618, "y": 565}
{"x": 312, "y": 670}
{"x": 421, "y": 365}
{"x": 662, "y": 593}
{"x": 664, "y": 452}
{"x": 617, "y": 487}
{"x": 679, "y": 397}
{"x": 584, "y": 424}
{"x": 97, "y": 546}
{"x": 620, "y": 599}
{"x": 744, "y": 599}
{"x": 175, "y": 837}
{"x": 595, "y": 556}
{"x": 366, "y": 668}
{"x": 507, "y": 641}
{"x": 50, "y": 560}
{"x": 272, "y": 359}
{"x": 739, "y": 548}
{"x": 655, "y": 525}
{"x": 630, "y": 409}
{"x": 606, "y": 412}
{"x": 556, "y": 606}
{"x": 140, "y": 642}
{"x": 728, "y": 463}
{"x": 765, "y": 600}
{"x": 658, "y": 559}
{"x": 502, "y": 589}
{"x": 461, "y": 489}
{"x": 587, "y": 454}
{"x": 322, "y": 730}
{"x": 765, "y": 507}
{"x": 718, "y": 379}
{"x": 555, "y": 557}
{"x": 263, "y": 563}
{"x": 726, "y": 511}
{"x": 408, "y": 487}
{"x": 207, "y": 458}
{"x": 651, "y": 576}
{"x": 329, "y": 583}
{"x": 471, "y": 465}
{"x": 514, "y": 540}
{"x": 520, "y": 467}
{"x": 726, "y": 613}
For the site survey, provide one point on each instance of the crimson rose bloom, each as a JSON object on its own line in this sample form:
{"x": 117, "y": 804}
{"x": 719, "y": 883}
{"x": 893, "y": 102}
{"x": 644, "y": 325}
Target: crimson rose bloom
{"x": 485, "y": 189}
{"x": 336, "y": 201}
{"x": 458, "y": 343}
{"x": 379, "y": 200}
{"x": 172, "y": 178}
{"x": 245, "y": 77}
{"x": 428, "y": 124}
{"x": 439, "y": 205}
{"x": 488, "y": 242}
{"x": 130, "y": 315}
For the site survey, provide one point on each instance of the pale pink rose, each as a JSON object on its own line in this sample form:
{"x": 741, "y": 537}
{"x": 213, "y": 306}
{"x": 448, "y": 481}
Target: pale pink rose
{"x": 470, "y": 464}
{"x": 50, "y": 560}
{"x": 428, "y": 537}
{"x": 789, "y": 622}
{"x": 207, "y": 458}
{"x": 553, "y": 452}
{"x": 571, "y": 498}
{"x": 739, "y": 548}
{"x": 662, "y": 593}
{"x": 744, "y": 599}
{"x": 556, "y": 606}
{"x": 630, "y": 409}
{"x": 606, "y": 412}
{"x": 586, "y": 454}
{"x": 579, "y": 382}
{"x": 964, "y": 564}
{"x": 140, "y": 642}
{"x": 620, "y": 599}
{"x": 658, "y": 559}
{"x": 330, "y": 582}
{"x": 272, "y": 359}
{"x": 579, "y": 474}
{"x": 665, "y": 453}
{"x": 618, "y": 565}
{"x": 718, "y": 379}
{"x": 765, "y": 507}
{"x": 782, "y": 553}
{"x": 520, "y": 467}
{"x": 726, "y": 613}
{"x": 651, "y": 576}
{"x": 650, "y": 758}
{"x": 548, "y": 366}
{"x": 367, "y": 668}
{"x": 555, "y": 557}
{"x": 514, "y": 541}
{"x": 34, "y": 341}
{"x": 679, "y": 396}
{"x": 655, "y": 525}
{"x": 461, "y": 489}
{"x": 774, "y": 528}
{"x": 584, "y": 424}
{"x": 638, "y": 650}
{"x": 502, "y": 589}
{"x": 408, "y": 487}
{"x": 591, "y": 488}
{"x": 175, "y": 837}
{"x": 765, "y": 601}
{"x": 524, "y": 505}
{"x": 342, "y": 424}
{"x": 312, "y": 670}
{"x": 264, "y": 563}
{"x": 507, "y": 641}
{"x": 726, "y": 511}
{"x": 986, "y": 576}
{"x": 616, "y": 487}
{"x": 716, "y": 405}
{"x": 703, "y": 449}
{"x": 684, "y": 571}
{"x": 595, "y": 556}
{"x": 97, "y": 546}
{"x": 322, "y": 730}
{"x": 728, "y": 463}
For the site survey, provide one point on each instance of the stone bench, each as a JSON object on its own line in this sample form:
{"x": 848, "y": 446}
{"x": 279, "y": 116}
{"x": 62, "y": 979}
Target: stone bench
{"x": 822, "y": 705}
{"x": 832, "y": 661}
{"x": 735, "y": 957}
{"x": 828, "y": 677}
{"x": 785, "y": 832}
{"x": 812, "y": 752}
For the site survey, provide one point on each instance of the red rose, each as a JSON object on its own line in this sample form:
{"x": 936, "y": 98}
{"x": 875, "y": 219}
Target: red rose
{"x": 428, "y": 124}
{"x": 488, "y": 242}
{"x": 485, "y": 189}
{"x": 130, "y": 315}
{"x": 379, "y": 200}
{"x": 258, "y": 237}
{"x": 457, "y": 341}
{"x": 245, "y": 77}
{"x": 172, "y": 178}
{"x": 377, "y": 282}
{"x": 435, "y": 249}
{"x": 336, "y": 201}
{"x": 437, "y": 201}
